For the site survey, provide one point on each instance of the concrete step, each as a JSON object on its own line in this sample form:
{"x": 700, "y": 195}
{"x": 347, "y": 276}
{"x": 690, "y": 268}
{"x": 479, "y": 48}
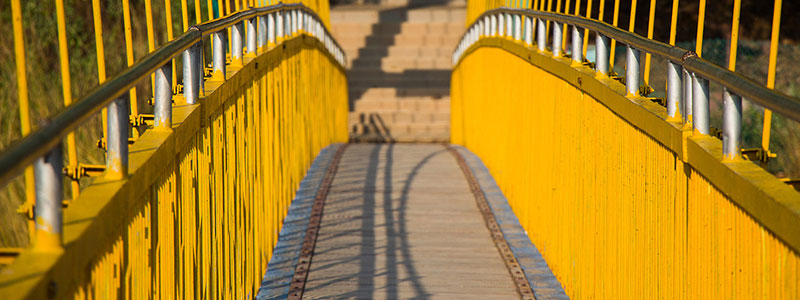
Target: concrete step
{"x": 360, "y": 93}
{"x": 401, "y": 118}
{"x": 401, "y": 51}
{"x": 434, "y": 107}
{"x": 400, "y": 64}
{"x": 431, "y": 14}
{"x": 344, "y": 30}
{"x": 352, "y": 45}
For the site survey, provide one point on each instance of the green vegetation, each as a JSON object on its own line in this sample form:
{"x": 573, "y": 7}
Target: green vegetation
{"x": 44, "y": 77}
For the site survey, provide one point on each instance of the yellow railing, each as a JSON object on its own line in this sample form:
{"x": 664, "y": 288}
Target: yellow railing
{"x": 199, "y": 210}
{"x": 623, "y": 199}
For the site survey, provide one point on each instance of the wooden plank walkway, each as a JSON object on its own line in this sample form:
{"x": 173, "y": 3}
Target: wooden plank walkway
{"x": 400, "y": 222}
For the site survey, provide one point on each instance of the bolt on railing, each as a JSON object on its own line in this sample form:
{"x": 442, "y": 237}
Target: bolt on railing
{"x": 258, "y": 28}
{"x": 688, "y": 76}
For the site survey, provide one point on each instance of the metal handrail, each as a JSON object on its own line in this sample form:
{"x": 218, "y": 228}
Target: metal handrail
{"x": 51, "y": 131}
{"x": 747, "y": 88}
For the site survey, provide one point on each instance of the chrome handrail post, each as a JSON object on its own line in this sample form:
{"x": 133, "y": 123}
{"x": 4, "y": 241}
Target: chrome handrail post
{"x": 262, "y": 33}
{"x": 674, "y": 92}
{"x": 577, "y": 45}
{"x": 528, "y": 31}
{"x": 686, "y": 103}
{"x": 279, "y": 32}
{"x": 700, "y": 113}
{"x": 271, "y": 28}
{"x": 493, "y": 28}
{"x": 251, "y": 36}
{"x": 632, "y": 57}
{"x": 731, "y": 125}
{"x": 541, "y": 35}
{"x": 557, "y": 33}
{"x": 218, "y": 44}
{"x": 237, "y": 37}
{"x": 163, "y": 98}
{"x": 48, "y": 208}
{"x": 117, "y": 139}
{"x": 601, "y": 54}
{"x": 501, "y": 24}
{"x": 192, "y": 73}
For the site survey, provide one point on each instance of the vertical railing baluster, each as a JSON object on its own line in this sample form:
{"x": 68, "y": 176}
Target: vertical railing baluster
{"x": 163, "y": 98}
{"x": 673, "y": 89}
{"x": 517, "y": 27}
{"x": 731, "y": 125}
{"x": 632, "y": 57}
{"x": 601, "y": 54}
{"x": 48, "y": 208}
{"x": 577, "y": 45}
{"x": 117, "y": 139}
{"x": 700, "y": 113}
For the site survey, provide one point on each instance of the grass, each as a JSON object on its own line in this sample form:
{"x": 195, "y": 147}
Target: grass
{"x": 44, "y": 77}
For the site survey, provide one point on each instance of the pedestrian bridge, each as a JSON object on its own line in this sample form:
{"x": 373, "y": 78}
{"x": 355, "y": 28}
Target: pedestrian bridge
{"x": 228, "y": 172}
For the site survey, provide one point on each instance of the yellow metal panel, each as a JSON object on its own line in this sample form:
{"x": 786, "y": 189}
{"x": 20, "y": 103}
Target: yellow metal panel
{"x": 195, "y": 218}
{"x": 621, "y": 202}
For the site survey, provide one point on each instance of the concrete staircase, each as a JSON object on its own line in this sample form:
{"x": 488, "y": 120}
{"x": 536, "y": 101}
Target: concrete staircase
{"x": 399, "y": 67}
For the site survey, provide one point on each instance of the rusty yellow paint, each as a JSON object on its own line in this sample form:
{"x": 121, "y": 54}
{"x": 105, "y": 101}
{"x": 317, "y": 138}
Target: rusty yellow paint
{"x": 200, "y": 210}
{"x": 622, "y": 202}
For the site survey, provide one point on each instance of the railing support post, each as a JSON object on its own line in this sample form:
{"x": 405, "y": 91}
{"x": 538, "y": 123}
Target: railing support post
{"x": 632, "y": 71}
{"x": 262, "y": 33}
{"x": 295, "y": 22}
{"x": 192, "y": 74}
{"x": 541, "y": 35}
{"x": 493, "y": 25}
{"x": 700, "y": 105}
{"x": 47, "y": 211}
{"x": 271, "y": 28}
{"x": 251, "y": 37}
{"x": 673, "y": 89}
{"x": 686, "y": 103}
{"x": 557, "y": 32}
{"x": 501, "y": 24}
{"x": 509, "y": 26}
{"x": 528, "y": 31}
{"x": 601, "y": 54}
{"x": 731, "y": 125}
{"x": 218, "y": 44}
{"x": 117, "y": 139}
{"x": 279, "y": 32}
{"x": 237, "y": 37}
{"x": 517, "y": 27}
{"x": 163, "y": 98}
{"x": 577, "y": 45}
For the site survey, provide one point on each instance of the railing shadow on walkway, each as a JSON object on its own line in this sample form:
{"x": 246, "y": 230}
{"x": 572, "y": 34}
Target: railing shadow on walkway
{"x": 394, "y": 212}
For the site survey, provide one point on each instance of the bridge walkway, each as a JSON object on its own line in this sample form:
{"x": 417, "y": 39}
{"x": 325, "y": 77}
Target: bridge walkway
{"x": 399, "y": 221}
